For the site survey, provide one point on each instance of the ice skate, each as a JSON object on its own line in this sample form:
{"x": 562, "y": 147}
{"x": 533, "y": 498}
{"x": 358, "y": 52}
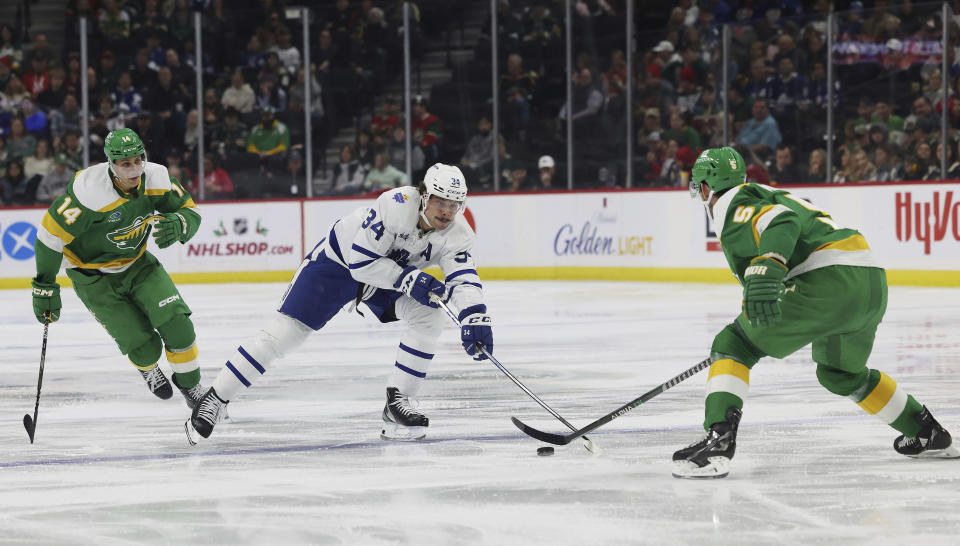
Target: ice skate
{"x": 207, "y": 413}
{"x": 710, "y": 457}
{"x": 192, "y": 395}
{"x": 157, "y": 382}
{"x": 400, "y": 420}
{"x": 933, "y": 441}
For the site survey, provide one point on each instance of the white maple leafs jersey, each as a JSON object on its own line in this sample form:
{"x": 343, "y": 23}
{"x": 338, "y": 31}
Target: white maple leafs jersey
{"x": 377, "y": 242}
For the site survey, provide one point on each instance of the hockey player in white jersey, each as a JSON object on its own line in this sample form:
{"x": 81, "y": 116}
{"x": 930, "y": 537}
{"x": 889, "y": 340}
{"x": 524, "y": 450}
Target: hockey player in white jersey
{"x": 375, "y": 256}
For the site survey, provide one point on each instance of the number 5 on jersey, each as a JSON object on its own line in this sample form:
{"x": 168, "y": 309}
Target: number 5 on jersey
{"x": 376, "y": 227}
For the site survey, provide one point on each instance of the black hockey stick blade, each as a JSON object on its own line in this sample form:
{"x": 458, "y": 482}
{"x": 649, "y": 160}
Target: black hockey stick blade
{"x": 30, "y": 425}
{"x": 564, "y": 439}
{"x": 550, "y": 438}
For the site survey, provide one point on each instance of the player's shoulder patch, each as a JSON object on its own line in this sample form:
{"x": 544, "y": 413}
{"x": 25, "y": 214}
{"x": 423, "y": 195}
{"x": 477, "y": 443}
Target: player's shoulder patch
{"x": 156, "y": 179}
{"x": 399, "y": 207}
{"x": 94, "y": 190}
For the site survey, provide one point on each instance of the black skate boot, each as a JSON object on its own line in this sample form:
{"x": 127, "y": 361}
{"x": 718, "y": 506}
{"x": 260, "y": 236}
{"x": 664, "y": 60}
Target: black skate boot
{"x": 192, "y": 395}
{"x": 208, "y": 411}
{"x": 710, "y": 457}
{"x": 933, "y": 441}
{"x": 157, "y": 382}
{"x": 400, "y": 420}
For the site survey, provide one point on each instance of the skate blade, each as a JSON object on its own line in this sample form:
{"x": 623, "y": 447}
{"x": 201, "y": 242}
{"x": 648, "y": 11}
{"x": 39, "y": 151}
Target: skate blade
{"x": 950, "y": 452}
{"x": 192, "y": 435}
{"x": 398, "y": 433}
{"x": 716, "y": 467}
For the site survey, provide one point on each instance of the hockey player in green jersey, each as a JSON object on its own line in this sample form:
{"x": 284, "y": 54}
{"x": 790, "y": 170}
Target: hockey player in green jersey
{"x": 100, "y": 226}
{"x": 805, "y": 280}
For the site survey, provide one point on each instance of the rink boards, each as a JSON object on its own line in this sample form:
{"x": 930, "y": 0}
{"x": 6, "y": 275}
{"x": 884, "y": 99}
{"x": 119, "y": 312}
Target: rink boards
{"x": 662, "y": 235}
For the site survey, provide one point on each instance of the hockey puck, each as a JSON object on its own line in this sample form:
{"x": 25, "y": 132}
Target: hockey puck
{"x": 545, "y": 451}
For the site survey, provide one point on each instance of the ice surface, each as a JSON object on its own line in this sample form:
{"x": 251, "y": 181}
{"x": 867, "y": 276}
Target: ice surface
{"x": 302, "y": 462}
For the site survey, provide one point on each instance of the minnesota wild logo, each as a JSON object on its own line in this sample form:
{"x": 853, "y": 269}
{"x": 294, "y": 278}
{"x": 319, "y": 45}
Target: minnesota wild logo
{"x": 132, "y": 235}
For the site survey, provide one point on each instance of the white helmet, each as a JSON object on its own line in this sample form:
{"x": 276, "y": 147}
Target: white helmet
{"x": 446, "y": 182}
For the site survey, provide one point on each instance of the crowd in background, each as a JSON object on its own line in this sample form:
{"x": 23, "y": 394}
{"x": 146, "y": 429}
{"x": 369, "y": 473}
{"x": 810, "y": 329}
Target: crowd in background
{"x": 142, "y": 76}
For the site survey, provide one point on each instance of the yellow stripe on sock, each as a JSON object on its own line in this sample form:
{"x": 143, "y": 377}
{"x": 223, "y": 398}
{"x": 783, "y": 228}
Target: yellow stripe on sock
{"x": 879, "y": 396}
{"x": 181, "y": 357}
{"x": 727, "y": 366}
{"x": 144, "y": 368}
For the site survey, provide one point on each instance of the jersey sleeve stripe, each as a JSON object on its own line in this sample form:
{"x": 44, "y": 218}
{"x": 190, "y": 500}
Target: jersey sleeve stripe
{"x": 414, "y": 352}
{"x": 335, "y": 244}
{"x": 468, "y": 283}
{"x": 54, "y": 229}
{"x": 366, "y": 252}
{"x": 364, "y": 263}
{"x": 50, "y": 240}
{"x": 762, "y": 220}
{"x": 456, "y": 274}
{"x": 851, "y": 243}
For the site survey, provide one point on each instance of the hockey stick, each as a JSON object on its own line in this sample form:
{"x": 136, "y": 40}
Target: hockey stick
{"x": 31, "y": 423}
{"x": 564, "y": 439}
{"x": 587, "y": 442}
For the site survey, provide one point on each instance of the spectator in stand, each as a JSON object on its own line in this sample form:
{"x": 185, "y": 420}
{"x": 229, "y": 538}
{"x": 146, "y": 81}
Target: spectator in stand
{"x": 761, "y": 133}
{"x": 38, "y": 164}
{"x": 211, "y": 107}
{"x": 41, "y": 48}
{"x": 5, "y": 72}
{"x": 34, "y": 119}
{"x": 541, "y": 33}
{"x": 688, "y": 94}
{"x": 426, "y": 130}
{"x": 517, "y": 91}
{"x": 348, "y": 174}
{"x": 547, "y": 167}
{"x": 397, "y": 151}
{"x": 587, "y": 101}
{"x": 114, "y": 25}
{"x": 216, "y": 181}
{"x": 885, "y": 160}
{"x": 126, "y": 98}
{"x": 389, "y": 116}
{"x": 515, "y": 175}
{"x": 477, "y": 160}
{"x": 270, "y": 95}
{"x": 663, "y": 57}
{"x": 615, "y": 81}
{"x": 293, "y": 180}
{"x": 923, "y": 116}
{"x": 230, "y": 137}
{"x": 142, "y": 76}
{"x": 754, "y": 85}
{"x": 108, "y": 72}
{"x": 191, "y": 136}
{"x": 167, "y": 101}
{"x": 268, "y": 141}
{"x": 15, "y": 92}
{"x": 681, "y": 131}
{"x": 864, "y": 170}
{"x": 784, "y": 171}
{"x": 52, "y": 97}
{"x": 183, "y": 75}
{"x": 288, "y": 55}
{"x": 817, "y": 166}
{"x": 9, "y": 48}
{"x": 239, "y": 95}
{"x": 650, "y": 132}
{"x": 4, "y": 156}
{"x": 13, "y": 186}
{"x": 20, "y": 143}
{"x": 38, "y": 78}
{"x": 73, "y": 148}
{"x": 150, "y": 20}
{"x": 933, "y": 172}
{"x": 883, "y": 113}
{"x": 54, "y": 183}
{"x": 383, "y": 175}
{"x": 151, "y": 133}
{"x": 921, "y": 163}
{"x": 364, "y": 149}
{"x": 785, "y": 89}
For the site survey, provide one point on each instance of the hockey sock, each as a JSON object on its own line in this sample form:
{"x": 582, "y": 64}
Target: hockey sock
{"x": 251, "y": 360}
{"x": 181, "y": 348}
{"x": 882, "y": 397}
{"x": 727, "y": 386}
{"x": 412, "y": 363}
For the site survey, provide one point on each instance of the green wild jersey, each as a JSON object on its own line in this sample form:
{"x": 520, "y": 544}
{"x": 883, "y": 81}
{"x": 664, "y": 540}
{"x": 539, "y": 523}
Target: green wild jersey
{"x": 753, "y": 220}
{"x": 96, "y": 226}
